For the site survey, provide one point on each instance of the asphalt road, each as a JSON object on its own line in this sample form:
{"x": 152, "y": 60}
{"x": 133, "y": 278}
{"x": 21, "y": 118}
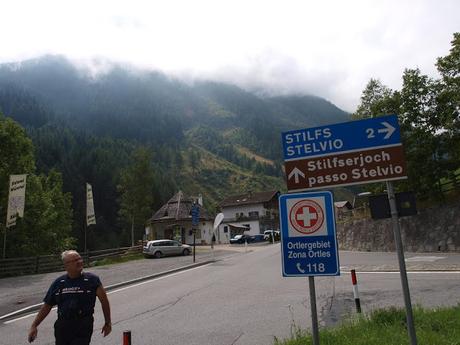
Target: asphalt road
{"x": 24, "y": 291}
{"x": 242, "y": 299}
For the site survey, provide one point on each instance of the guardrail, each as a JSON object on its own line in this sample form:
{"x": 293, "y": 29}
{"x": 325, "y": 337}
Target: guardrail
{"x": 52, "y": 263}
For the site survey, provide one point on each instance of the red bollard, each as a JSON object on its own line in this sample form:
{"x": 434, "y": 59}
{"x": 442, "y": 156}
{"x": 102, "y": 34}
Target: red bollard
{"x": 355, "y": 291}
{"x": 127, "y": 338}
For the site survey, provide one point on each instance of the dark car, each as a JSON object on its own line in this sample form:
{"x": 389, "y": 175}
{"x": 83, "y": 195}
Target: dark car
{"x": 257, "y": 238}
{"x": 240, "y": 239}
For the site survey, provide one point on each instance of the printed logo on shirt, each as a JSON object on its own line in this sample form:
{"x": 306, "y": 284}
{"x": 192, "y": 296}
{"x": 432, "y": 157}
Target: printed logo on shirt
{"x": 74, "y": 289}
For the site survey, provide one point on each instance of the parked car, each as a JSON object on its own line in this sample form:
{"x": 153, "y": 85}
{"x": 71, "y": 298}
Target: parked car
{"x": 268, "y": 235}
{"x": 240, "y": 239}
{"x": 160, "y": 248}
{"x": 257, "y": 238}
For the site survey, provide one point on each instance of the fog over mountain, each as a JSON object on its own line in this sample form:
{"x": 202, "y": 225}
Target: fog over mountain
{"x": 328, "y": 49}
{"x": 78, "y": 90}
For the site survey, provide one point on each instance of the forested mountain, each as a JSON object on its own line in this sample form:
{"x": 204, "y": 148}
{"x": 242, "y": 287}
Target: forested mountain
{"x": 204, "y": 138}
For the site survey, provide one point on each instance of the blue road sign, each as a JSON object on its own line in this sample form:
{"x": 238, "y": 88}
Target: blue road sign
{"x": 195, "y": 214}
{"x": 308, "y": 238}
{"x": 348, "y": 136}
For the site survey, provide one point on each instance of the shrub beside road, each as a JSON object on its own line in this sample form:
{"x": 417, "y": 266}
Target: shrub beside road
{"x": 388, "y": 327}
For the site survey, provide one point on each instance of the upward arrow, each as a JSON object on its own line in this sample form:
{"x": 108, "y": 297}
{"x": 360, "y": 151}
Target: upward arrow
{"x": 296, "y": 173}
{"x": 389, "y": 129}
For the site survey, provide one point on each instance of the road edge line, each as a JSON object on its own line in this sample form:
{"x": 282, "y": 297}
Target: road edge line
{"x": 36, "y": 307}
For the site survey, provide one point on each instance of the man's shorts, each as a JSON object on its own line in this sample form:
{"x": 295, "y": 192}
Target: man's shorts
{"x": 74, "y": 331}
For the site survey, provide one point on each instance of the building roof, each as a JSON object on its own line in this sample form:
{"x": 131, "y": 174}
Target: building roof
{"x": 249, "y": 198}
{"x": 178, "y": 208}
{"x": 240, "y": 227}
{"x": 342, "y": 204}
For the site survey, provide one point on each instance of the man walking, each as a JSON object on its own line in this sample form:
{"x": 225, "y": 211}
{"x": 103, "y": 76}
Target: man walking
{"x": 74, "y": 294}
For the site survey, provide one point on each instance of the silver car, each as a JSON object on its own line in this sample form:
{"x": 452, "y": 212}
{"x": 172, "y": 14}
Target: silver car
{"x": 160, "y": 248}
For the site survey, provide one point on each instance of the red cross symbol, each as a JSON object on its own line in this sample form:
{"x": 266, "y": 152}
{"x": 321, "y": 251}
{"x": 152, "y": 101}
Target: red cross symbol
{"x": 306, "y": 216}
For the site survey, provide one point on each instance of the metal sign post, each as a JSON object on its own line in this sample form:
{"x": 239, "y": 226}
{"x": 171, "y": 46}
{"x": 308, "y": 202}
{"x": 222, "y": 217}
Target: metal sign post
{"x": 85, "y": 229}
{"x": 402, "y": 264}
{"x": 4, "y": 243}
{"x": 194, "y": 248}
{"x": 314, "y": 313}
{"x": 195, "y": 220}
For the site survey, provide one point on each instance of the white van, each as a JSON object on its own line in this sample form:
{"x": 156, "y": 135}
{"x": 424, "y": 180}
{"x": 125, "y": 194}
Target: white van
{"x": 268, "y": 235}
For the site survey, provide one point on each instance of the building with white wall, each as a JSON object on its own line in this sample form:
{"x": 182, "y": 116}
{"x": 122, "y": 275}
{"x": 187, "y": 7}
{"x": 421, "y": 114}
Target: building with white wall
{"x": 174, "y": 221}
{"x": 250, "y": 213}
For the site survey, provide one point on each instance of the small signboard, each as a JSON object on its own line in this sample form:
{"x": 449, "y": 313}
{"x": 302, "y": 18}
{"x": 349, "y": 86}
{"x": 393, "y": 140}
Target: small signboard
{"x": 195, "y": 214}
{"x": 308, "y": 237}
{"x": 344, "y": 154}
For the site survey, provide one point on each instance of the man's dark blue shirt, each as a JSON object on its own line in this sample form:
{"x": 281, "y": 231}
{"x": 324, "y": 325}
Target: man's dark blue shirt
{"x": 76, "y": 297}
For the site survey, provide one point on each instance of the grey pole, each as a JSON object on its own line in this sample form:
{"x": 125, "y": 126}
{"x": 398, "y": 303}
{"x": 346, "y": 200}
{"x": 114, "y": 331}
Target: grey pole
{"x": 212, "y": 244}
{"x": 84, "y": 227}
{"x": 4, "y": 243}
{"x": 194, "y": 248}
{"x": 132, "y": 230}
{"x": 314, "y": 313}
{"x": 402, "y": 263}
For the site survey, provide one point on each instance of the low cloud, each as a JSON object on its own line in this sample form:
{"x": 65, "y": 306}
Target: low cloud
{"x": 329, "y": 49}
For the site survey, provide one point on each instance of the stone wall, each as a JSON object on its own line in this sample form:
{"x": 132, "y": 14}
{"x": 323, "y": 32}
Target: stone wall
{"x": 431, "y": 230}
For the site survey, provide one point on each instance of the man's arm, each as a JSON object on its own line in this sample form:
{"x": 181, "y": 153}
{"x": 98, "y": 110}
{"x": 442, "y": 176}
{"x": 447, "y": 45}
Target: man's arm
{"x": 100, "y": 293}
{"x": 44, "y": 311}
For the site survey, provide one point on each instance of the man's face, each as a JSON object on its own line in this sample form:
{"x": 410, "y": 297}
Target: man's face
{"x": 73, "y": 264}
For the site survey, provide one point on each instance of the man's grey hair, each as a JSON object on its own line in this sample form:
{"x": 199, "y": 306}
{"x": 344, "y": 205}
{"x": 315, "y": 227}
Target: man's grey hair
{"x": 66, "y": 253}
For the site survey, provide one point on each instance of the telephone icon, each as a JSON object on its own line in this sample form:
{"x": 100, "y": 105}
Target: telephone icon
{"x": 300, "y": 268}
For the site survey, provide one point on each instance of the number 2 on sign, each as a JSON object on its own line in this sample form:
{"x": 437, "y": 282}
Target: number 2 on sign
{"x": 316, "y": 267}
{"x": 370, "y": 133}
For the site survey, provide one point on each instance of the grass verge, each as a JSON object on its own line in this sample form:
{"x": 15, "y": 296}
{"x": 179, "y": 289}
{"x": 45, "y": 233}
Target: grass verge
{"x": 117, "y": 259}
{"x": 388, "y": 327}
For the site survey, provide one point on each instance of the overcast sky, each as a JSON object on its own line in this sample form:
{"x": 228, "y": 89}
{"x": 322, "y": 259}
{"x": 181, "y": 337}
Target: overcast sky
{"x": 326, "y": 48}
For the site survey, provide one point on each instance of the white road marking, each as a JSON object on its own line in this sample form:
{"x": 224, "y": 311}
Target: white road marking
{"x": 409, "y": 272}
{"x": 154, "y": 279}
{"x": 425, "y": 258}
{"x": 114, "y": 291}
{"x": 345, "y": 269}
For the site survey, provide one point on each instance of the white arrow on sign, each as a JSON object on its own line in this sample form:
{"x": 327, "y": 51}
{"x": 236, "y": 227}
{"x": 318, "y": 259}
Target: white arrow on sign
{"x": 296, "y": 173}
{"x": 389, "y": 129}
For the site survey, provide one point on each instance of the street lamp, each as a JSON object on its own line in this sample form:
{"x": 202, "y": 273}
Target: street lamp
{"x": 359, "y": 195}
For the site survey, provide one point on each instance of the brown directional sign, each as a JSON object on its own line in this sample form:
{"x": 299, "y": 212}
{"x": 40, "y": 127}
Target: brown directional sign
{"x": 348, "y": 168}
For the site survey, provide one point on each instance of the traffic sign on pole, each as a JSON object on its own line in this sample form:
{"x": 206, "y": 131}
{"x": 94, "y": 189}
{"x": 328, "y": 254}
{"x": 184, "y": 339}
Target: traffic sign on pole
{"x": 336, "y": 155}
{"x": 341, "y": 137}
{"x": 308, "y": 238}
{"x": 344, "y": 154}
{"x": 195, "y": 214}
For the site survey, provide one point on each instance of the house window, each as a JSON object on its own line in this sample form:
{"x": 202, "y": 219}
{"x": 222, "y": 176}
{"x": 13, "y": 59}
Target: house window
{"x": 225, "y": 229}
{"x": 254, "y": 214}
{"x": 239, "y": 215}
{"x": 267, "y": 213}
